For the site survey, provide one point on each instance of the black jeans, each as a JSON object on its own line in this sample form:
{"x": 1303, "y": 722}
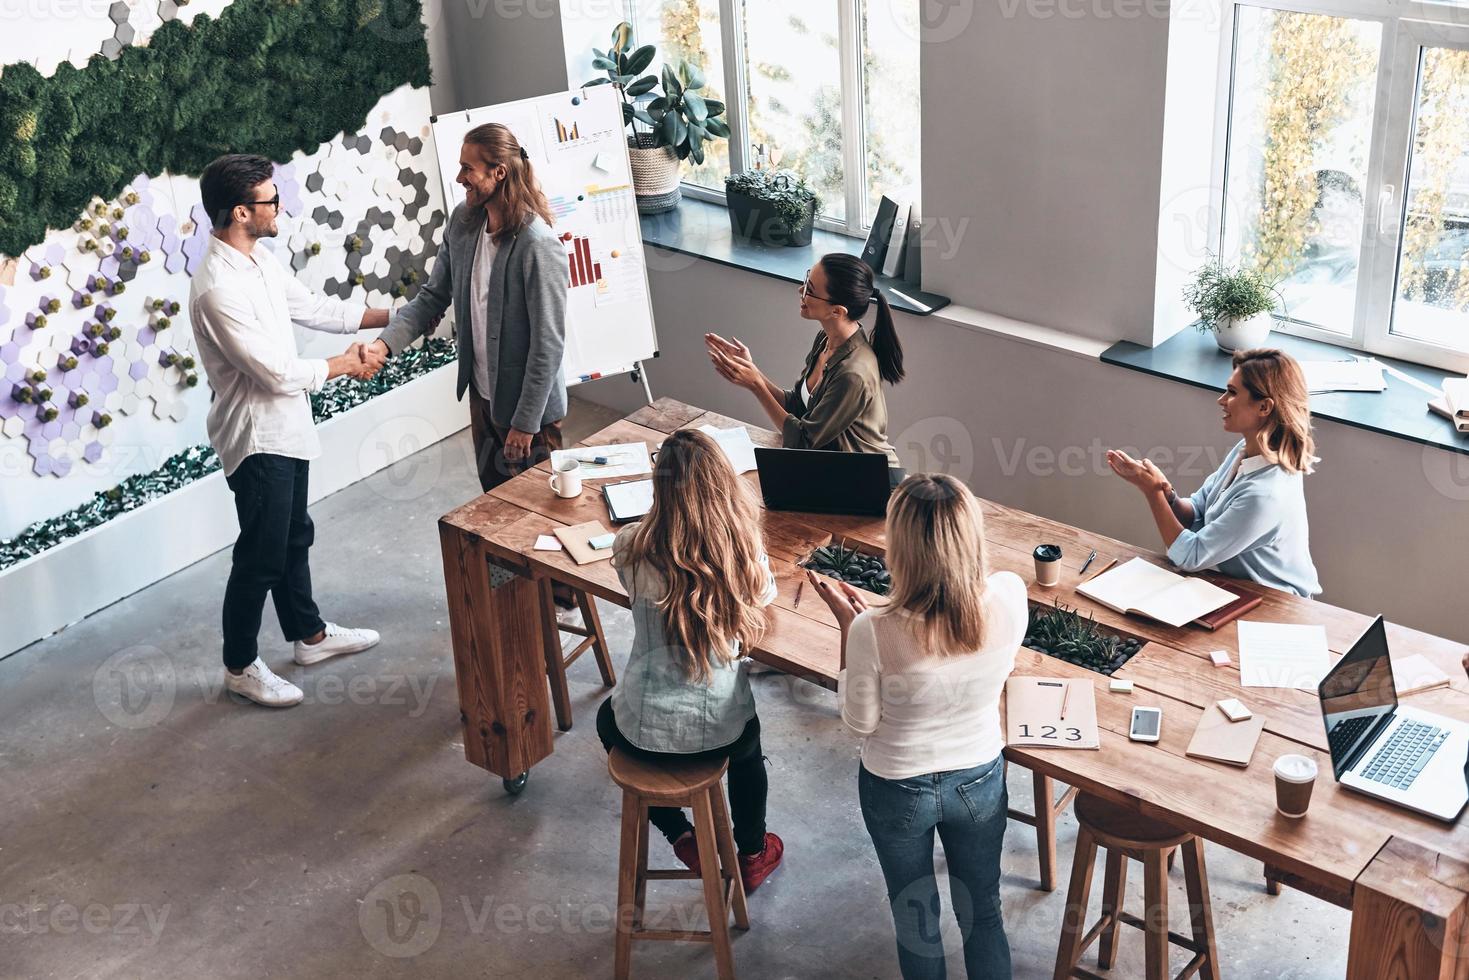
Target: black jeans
{"x": 748, "y": 786}
{"x": 270, "y": 555}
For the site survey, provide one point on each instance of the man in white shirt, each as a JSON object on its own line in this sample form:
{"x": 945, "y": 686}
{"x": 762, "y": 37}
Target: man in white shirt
{"x": 242, "y": 304}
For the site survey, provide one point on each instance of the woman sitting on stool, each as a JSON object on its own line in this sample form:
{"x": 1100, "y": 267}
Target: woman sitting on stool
{"x": 837, "y": 402}
{"x": 698, "y": 579}
{"x": 1248, "y": 520}
{"x": 921, "y": 680}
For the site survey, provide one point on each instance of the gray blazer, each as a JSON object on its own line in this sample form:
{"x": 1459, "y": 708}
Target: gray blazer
{"x": 527, "y": 321}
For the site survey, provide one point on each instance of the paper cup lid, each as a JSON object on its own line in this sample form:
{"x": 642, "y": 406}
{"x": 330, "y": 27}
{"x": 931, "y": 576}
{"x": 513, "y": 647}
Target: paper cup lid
{"x": 1295, "y": 768}
{"x": 1048, "y": 552}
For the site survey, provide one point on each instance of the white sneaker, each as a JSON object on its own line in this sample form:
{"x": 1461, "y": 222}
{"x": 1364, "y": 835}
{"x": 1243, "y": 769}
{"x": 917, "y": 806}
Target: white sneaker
{"x": 338, "y": 640}
{"x": 263, "y": 686}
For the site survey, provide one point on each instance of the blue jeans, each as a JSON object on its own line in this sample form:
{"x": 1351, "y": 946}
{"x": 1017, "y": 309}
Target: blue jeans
{"x": 968, "y": 807}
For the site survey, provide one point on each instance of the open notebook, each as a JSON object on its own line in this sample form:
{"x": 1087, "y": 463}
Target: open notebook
{"x": 1145, "y": 589}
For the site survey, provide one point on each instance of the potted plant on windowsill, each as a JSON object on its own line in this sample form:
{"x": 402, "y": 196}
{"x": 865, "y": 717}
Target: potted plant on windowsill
{"x": 775, "y": 207}
{"x": 1235, "y": 303}
{"x": 675, "y": 125}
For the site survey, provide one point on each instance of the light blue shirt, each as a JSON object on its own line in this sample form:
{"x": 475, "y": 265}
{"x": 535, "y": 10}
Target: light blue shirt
{"x": 1252, "y": 528}
{"x": 657, "y": 706}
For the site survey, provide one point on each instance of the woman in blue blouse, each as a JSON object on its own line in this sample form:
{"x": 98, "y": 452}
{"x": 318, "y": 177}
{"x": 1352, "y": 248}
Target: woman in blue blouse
{"x": 1248, "y": 520}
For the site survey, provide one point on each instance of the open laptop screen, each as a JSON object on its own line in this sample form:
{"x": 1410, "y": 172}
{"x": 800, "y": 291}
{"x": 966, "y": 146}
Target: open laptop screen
{"x": 1357, "y": 696}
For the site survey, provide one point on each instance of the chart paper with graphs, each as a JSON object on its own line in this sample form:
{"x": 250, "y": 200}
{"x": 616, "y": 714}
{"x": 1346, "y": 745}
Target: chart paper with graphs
{"x": 578, "y": 149}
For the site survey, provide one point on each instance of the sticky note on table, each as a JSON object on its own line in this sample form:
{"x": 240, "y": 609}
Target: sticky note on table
{"x": 1119, "y": 686}
{"x": 1219, "y": 657}
{"x": 546, "y": 542}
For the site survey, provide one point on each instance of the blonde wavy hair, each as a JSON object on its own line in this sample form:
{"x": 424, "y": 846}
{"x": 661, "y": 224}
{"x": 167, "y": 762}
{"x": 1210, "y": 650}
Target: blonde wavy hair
{"x": 703, "y": 536}
{"x": 936, "y": 556}
{"x": 1286, "y": 438}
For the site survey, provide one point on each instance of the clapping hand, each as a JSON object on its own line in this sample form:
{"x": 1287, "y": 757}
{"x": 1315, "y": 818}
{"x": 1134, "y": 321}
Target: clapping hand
{"x": 1141, "y": 473}
{"x": 732, "y": 360}
{"x": 844, "y": 601}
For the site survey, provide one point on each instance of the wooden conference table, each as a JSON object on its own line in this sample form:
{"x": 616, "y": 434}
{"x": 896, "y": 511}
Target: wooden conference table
{"x": 1405, "y": 877}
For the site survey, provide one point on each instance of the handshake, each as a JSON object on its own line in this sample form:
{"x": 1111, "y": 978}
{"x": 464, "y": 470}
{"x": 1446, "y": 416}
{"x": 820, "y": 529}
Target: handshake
{"x": 359, "y": 361}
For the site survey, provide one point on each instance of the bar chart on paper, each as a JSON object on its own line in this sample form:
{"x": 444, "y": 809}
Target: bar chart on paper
{"x": 575, "y": 143}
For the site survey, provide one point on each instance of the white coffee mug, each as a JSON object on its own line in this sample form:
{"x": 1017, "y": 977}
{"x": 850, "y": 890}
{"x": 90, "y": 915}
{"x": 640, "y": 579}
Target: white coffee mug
{"x": 566, "y": 481}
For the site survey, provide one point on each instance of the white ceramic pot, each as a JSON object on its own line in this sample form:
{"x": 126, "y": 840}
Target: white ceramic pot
{"x": 1232, "y": 334}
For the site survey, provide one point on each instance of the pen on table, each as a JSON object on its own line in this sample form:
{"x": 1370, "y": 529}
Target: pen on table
{"x": 1065, "y": 699}
{"x": 601, "y": 460}
{"x": 799, "y": 586}
{"x": 1089, "y": 559}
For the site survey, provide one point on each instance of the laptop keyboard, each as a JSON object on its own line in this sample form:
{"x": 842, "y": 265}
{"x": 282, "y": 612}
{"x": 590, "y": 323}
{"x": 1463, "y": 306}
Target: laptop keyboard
{"x": 1402, "y": 757}
{"x": 1345, "y": 733}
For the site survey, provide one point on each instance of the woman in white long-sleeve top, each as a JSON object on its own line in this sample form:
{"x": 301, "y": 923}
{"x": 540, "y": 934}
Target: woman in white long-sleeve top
{"x": 921, "y": 680}
{"x": 1248, "y": 520}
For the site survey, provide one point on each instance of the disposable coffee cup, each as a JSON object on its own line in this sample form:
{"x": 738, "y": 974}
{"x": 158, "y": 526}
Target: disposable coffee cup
{"x": 1295, "y": 776}
{"x": 566, "y": 480}
{"x": 1047, "y": 564}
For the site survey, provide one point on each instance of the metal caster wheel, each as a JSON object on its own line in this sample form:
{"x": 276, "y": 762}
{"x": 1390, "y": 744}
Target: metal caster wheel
{"x": 515, "y": 786}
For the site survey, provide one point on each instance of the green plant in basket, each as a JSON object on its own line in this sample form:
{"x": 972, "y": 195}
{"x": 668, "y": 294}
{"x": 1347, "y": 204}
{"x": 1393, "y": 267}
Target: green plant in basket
{"x": 851, "y": 566}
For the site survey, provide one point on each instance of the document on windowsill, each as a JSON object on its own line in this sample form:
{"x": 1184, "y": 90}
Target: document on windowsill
{"x": 1282, "y": 655}
{"x": 736, "y": 445}
{"x": 623, "y": 459}
{"x": 1358, "y": 374}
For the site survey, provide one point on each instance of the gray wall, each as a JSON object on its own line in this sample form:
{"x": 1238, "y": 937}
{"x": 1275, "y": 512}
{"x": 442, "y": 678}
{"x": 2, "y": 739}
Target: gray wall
{"x": 1044, "y": 134}
{"x": 498, "y": 51}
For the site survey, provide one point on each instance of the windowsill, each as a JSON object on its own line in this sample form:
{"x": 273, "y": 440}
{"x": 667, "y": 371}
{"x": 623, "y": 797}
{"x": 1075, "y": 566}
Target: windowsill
{"x": 1401, "y": 410}
{"x": 701, "y": 229}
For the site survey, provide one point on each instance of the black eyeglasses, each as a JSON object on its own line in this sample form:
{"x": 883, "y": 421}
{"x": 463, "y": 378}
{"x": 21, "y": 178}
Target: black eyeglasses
{"x": 274, "y": 202}
{"x": 807, "y": 293}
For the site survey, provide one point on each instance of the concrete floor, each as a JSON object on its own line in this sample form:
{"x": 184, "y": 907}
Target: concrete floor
{"x": 152, "y": 827}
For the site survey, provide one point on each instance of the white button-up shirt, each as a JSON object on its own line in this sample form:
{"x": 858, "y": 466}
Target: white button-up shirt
{"x": 242, "y": 307}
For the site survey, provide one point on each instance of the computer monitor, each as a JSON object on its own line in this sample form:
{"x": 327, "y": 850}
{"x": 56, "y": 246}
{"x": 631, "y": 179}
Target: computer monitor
{"x": 1358, "y": 697}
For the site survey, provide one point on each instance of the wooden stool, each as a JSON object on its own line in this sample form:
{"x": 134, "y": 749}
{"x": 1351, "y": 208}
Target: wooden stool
{"x": 1047, "y": 809}
{"x": 1127, "y": 834}
{"x": 557, "y": 662}
{"x": 681, "y": 784}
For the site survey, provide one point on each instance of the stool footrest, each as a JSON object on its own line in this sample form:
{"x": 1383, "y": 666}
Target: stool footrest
{"x": 672, "y": 936}
{"x": 1184, "y": 942}
{"x": 671, "y": 874}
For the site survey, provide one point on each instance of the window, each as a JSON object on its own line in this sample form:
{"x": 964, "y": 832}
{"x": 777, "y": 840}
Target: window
{"x": 1346, "y": 169}
{"x": 828, "y": 89}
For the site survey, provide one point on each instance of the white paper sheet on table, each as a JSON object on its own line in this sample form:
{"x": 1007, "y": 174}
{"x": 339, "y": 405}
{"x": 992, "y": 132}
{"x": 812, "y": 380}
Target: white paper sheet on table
{"x": 1282, "y": 655}
{"x": 546, "y": 542}
{"x": 623, "y": 459}
{"x": 736, "y": 445}
{"x": 1359, "y": 374}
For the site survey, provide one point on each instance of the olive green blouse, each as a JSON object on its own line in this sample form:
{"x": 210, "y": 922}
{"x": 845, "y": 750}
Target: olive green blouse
{"x": 847, "y": 411}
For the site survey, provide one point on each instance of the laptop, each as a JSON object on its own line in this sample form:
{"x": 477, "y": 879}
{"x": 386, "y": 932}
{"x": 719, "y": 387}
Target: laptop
{"x": 1398, "y": 753}
{"x": 824, "y": 482}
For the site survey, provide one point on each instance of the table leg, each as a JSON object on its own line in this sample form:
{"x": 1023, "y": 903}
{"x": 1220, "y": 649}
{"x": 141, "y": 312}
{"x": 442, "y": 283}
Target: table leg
{"x": 1410, "y": 916}
{"x": 497, "y": 631}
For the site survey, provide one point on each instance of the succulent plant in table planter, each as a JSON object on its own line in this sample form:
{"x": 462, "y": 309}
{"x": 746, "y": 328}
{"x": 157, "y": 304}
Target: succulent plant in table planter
{"x": 1065, "y": 634}
{"x": 851, "y": 566}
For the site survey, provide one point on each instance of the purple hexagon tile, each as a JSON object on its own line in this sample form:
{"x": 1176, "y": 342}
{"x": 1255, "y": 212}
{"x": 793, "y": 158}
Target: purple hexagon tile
{"x": 61, "y": 466}
{"x": 51, "y": 430}
{"x": 42, "y": 465}
{"x": 138, "y": 370}
{"x": 93, "y": 452}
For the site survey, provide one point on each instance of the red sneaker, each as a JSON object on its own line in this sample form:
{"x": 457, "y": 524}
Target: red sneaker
{"x": 686, "y": 849}
{"x": 755, "y": 868}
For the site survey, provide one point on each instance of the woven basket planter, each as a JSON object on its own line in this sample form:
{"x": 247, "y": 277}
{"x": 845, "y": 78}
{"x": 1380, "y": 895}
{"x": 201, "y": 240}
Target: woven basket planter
{"x": 655, "y": 174}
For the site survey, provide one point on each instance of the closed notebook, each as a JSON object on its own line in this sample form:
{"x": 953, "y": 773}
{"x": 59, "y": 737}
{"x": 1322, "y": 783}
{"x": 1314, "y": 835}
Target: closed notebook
{"x": 1143, "y": 588}
{"x": 1222, "y": 740}
{"x": 1247, "y": 600}
{"x": 574, "y": 539}
{"x": 1456, "y": 397}
{"x": 1034, "y": 710}
{"x": 1415, "y": 673}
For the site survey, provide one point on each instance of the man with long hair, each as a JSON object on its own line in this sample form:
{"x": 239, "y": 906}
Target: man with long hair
{"x": 505, "y": 274}
{"x": 242, "y": 304}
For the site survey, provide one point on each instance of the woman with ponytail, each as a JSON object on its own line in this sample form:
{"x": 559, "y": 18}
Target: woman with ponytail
{"x": 837, "y": 402}
{"x": 1248, "y": 520}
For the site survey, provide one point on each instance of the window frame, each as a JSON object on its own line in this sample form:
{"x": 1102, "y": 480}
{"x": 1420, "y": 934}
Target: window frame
{"x": 1408, "y": 27}
{"x": 736, "y": 90}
